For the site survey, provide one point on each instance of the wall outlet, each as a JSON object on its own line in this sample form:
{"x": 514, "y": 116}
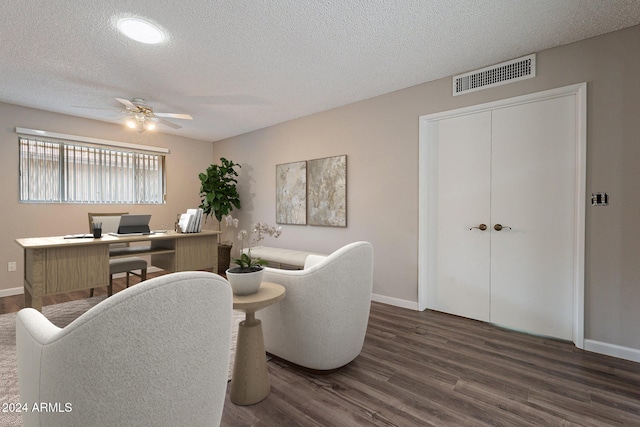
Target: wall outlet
{"x": 11, "y": 266}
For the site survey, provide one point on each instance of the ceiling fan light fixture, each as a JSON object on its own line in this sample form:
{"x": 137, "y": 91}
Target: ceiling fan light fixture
{"x": 140, "y": 123}
{"x": 141, "y": 30}
{"x": 142, "y": 118}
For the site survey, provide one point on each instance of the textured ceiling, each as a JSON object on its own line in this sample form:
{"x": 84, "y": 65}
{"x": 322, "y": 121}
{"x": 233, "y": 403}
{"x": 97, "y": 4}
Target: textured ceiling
{"x": 241, "y": 65}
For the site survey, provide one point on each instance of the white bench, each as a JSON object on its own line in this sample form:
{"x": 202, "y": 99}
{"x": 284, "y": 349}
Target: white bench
{"x": 281, "y": 258}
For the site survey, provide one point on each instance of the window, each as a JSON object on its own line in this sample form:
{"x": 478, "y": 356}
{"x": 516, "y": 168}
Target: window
{"x": 62, "y": 172}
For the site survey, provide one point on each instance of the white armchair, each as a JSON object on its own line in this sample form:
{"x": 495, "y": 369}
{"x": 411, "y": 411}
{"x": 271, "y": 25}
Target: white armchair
{"x": 322, "y": 321}
{"x": 156, "y": 354}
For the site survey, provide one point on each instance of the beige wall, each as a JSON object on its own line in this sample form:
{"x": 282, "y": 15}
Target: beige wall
{"x": 380, "y": 138}
{"x": 187, "y": 158}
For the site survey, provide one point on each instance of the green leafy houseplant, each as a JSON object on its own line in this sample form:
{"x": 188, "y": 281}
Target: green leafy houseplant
{"x": 220, "y": 196}
{"x": 218, "y": 189}
{"x": 246, "y": 263}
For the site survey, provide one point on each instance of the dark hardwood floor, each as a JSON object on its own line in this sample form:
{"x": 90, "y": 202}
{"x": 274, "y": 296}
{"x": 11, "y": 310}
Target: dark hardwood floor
{"x": 433, "y": 369}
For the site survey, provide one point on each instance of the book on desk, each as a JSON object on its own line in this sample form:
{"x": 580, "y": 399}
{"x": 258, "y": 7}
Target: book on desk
{"x": 191, "y": 221}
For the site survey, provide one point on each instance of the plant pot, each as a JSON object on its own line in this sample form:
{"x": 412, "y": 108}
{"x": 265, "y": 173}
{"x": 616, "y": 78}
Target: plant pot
{"x": 224, "y": 258}
{"x": 243, "y": 281}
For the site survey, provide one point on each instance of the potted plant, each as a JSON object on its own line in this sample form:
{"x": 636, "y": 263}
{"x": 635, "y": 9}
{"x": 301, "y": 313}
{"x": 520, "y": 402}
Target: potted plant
{"x": 220, "y": 196}
{"x": 245, "y": 279}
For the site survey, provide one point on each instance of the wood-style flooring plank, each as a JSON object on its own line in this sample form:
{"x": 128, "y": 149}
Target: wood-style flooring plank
{"x": 434, "y": 369}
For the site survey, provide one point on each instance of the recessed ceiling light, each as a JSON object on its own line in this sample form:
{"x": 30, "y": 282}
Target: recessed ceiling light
{"x": 140, "y": 30}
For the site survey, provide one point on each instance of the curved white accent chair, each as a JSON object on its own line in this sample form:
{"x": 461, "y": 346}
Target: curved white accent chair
{"x": 156, "y": 354}
{"x": 321, "y": 323}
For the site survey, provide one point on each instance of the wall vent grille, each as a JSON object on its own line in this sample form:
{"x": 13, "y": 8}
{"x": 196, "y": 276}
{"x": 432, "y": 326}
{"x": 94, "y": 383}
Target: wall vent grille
{"x": 495, "y": 75}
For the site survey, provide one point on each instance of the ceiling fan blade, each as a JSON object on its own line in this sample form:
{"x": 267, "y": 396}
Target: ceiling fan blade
{"x": 168, "y": 123}
{"x": 96, "y": 108}
{"x": 130, "y": 105}
{"x": 239, "y": 99}
{"x": 174, "y": 116}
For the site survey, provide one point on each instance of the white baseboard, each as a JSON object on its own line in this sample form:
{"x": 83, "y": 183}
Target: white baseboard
{"x": 411, "y": 305}
{"x": 11, "y": 291}
{"x": 613, "y": 350}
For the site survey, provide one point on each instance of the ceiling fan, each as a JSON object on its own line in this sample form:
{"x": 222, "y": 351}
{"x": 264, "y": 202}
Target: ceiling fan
{"x": 142, "y": 117}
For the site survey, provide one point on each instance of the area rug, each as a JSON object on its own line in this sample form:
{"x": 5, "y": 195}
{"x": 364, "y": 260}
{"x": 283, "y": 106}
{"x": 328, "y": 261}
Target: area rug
{"x": 60, "y": 315}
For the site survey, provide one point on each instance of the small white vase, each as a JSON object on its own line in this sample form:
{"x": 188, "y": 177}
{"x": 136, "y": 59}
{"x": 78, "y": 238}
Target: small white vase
{"x": 245, "y": 283}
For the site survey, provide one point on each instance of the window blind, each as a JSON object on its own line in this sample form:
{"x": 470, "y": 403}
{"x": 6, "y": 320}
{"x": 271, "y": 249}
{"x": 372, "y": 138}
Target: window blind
{"x": 62, "y": 172}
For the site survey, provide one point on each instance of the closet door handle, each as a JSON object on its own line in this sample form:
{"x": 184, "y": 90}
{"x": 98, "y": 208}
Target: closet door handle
{"x": 480, "y": 227}
{"x": 499, "y": 227}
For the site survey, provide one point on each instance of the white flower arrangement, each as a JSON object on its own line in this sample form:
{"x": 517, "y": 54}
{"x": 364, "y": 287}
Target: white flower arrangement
{"x": 259, "y": 231}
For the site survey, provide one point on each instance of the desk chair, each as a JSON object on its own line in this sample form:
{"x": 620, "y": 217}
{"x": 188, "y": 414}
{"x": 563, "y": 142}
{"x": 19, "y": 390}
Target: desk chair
{"x": 110, "y": 222}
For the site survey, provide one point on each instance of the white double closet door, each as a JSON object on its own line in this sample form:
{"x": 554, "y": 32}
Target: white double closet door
{"x": 513, "y": 167}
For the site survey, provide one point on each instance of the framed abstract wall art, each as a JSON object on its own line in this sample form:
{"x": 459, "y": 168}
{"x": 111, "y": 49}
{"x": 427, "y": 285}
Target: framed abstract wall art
{"x": 327, "y": 191}
{"x": 291, "y": 197}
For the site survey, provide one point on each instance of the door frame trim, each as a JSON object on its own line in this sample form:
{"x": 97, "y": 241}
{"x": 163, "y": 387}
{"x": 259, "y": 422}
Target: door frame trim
{"x": 427, "y": 185}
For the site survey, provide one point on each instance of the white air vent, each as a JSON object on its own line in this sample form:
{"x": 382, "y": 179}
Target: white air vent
{"x": 495, "y": 75}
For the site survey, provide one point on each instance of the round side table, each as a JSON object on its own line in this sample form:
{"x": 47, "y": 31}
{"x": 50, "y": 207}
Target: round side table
{"x": 250, "y": 379}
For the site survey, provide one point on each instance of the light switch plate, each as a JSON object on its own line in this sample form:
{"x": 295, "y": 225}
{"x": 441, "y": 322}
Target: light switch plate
{"x": 599, "y": 199}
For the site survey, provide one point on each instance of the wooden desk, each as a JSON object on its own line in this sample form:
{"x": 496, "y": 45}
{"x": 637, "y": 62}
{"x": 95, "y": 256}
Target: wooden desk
{"x": 250, "y": 380}
{"x": 55, "y": 265}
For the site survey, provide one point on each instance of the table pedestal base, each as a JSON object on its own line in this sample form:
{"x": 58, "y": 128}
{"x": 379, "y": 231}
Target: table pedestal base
{"x": 250, "y": 380}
